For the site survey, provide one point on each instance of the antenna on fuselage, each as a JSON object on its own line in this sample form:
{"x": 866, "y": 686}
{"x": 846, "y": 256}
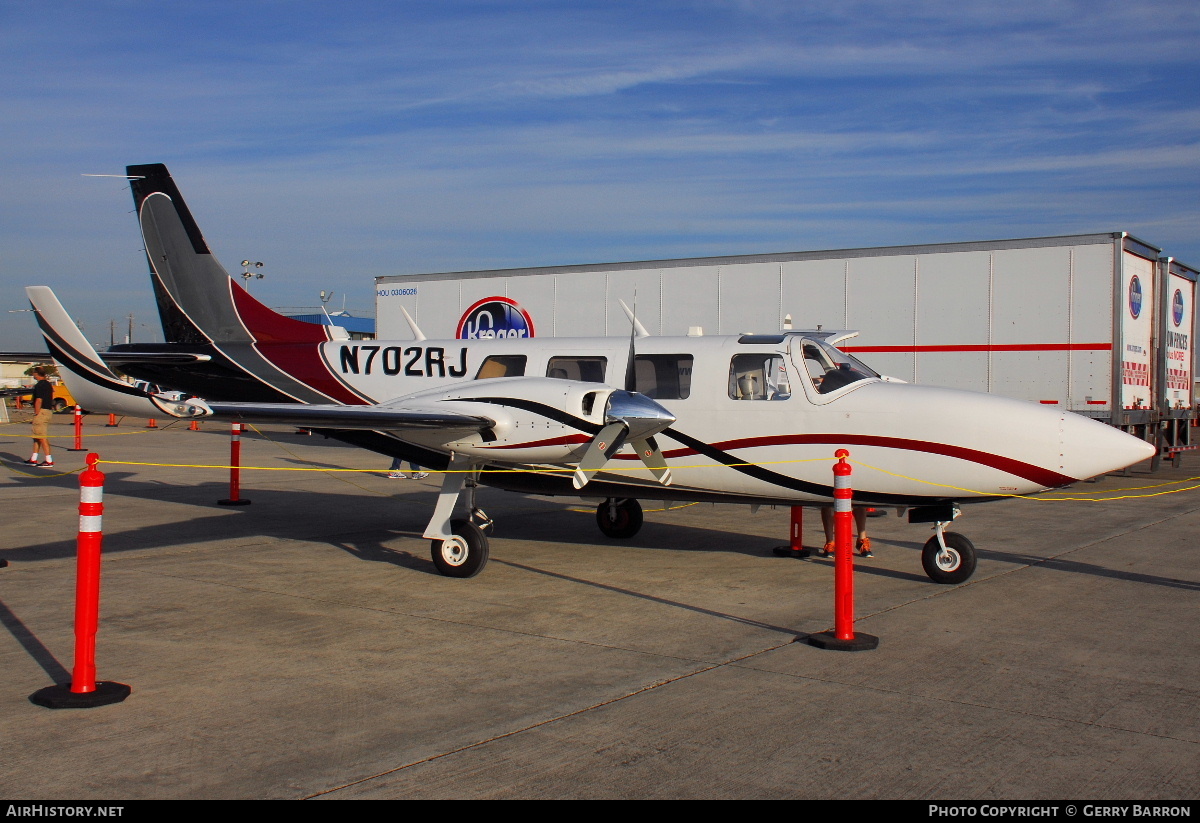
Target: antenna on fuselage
{"x": 631, "y": 366}
{"x": 637, "y": 326}
{"x": 412, "y": 324}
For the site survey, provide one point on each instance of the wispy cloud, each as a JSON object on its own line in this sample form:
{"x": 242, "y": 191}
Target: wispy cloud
{"x": 343, "y": 142}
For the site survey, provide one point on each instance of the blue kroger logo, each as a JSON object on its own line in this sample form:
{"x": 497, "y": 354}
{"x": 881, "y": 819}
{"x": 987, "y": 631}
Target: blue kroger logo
{"x": 1135, "y": 297}
{"x": 1177, "y": 307}
{"x": 494, "y": 317}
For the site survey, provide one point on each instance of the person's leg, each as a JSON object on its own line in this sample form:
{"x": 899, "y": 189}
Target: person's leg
{"x": 394, "y": 472}
{"x": 827, "y": 525}
{"x": 860, "y": 523}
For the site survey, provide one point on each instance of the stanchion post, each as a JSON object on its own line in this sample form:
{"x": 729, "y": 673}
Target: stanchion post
{"x": 84, "y": 691}
{"x": 78, "y": 431}
{"x": 795, "y": 547}
{"x": 843, "y": 637}
{"x": 235, "y": 461}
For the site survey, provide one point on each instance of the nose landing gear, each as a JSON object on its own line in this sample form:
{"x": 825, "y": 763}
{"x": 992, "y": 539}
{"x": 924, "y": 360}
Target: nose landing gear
{"x": 948, "y": 557}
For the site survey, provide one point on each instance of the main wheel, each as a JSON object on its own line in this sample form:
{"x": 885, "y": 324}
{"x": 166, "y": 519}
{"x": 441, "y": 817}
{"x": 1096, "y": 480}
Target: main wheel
{"x": 463, "y": 555}
{"x": 956, "y": 565}
{"x": 624, "y": 522}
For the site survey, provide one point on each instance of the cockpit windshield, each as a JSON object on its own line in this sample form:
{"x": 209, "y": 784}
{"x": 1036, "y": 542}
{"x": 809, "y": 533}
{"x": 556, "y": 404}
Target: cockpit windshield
{"x": 830, "y": 369}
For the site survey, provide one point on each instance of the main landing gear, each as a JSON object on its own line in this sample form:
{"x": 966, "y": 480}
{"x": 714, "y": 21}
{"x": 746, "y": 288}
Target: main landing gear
{"x": 459, "y": 546}
{"x": 620, "y": 518}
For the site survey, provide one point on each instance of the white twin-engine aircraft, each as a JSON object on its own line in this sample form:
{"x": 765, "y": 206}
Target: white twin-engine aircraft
{"x": 734, "y": 419}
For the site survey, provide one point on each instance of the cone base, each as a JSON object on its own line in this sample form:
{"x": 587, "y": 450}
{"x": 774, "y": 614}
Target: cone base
{"x": 788, "y": 551}
{"x": 829, "y": 641}
{"x": 61, "y": 696}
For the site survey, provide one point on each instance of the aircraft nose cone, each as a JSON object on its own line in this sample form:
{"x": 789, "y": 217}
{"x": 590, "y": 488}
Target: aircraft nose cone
{"x": 1089, "y": 448}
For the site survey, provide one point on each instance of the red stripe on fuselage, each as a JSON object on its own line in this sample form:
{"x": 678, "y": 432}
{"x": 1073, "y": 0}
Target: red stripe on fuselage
{"x": 291, "y": 345}
{"x": 1028, "y": 471}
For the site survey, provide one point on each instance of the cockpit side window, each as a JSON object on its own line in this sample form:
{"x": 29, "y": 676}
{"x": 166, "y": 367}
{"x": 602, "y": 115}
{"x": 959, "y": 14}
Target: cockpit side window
{"x": 585, "y": 369}
{"x": 759, "y": 377}
{"x": 830, "y": 369}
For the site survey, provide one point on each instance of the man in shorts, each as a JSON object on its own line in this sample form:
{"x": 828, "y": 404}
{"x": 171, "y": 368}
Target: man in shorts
{"x": 43, "y": 402}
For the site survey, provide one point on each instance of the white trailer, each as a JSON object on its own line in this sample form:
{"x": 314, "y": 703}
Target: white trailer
{"x": 1099, "y": 324}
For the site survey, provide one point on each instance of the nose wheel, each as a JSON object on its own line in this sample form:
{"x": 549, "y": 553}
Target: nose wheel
{"x": 948, "y": 557}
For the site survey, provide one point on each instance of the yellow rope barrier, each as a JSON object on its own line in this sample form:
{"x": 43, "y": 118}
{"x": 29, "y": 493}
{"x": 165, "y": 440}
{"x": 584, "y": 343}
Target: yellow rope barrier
{"x": 42, "y": 476}
{"x": 1109, "y": 494}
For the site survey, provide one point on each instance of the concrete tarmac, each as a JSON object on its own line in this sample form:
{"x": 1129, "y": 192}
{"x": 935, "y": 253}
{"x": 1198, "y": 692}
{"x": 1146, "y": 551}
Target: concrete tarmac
{"x": 304, "y": 646}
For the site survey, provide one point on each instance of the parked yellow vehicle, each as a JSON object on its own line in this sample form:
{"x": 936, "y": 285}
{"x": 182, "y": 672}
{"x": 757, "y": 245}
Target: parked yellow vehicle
{"x": 62, "y": 397}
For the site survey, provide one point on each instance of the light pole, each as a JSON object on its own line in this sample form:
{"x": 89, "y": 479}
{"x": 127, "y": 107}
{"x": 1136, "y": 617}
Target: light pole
{"x": 247, "y": 275}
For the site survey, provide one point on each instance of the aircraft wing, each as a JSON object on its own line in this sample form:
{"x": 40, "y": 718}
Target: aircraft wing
{"x": 331, "y": 416}
{"x": 122, "y": 358}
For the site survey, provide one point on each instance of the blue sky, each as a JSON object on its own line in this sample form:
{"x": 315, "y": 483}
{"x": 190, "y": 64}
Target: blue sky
{"x": 341, "y": 141}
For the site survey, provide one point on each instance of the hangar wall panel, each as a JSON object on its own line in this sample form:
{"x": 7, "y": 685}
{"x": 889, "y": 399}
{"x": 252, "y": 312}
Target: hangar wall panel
{"x": 1042, "y": 319}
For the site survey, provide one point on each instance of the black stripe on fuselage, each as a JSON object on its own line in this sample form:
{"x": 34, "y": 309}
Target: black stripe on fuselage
{"x": 776, "y": 479}
{"x": 711, "y": 452}
{"x": 557, "y": 415}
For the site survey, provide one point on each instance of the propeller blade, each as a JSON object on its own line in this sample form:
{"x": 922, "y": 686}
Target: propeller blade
{"x": 602, "y": 447}
{"x": 652, "y": 456}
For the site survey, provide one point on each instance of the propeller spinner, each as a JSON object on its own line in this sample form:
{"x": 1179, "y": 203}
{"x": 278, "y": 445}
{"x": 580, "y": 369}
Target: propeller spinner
{"x": 632, "y": 418}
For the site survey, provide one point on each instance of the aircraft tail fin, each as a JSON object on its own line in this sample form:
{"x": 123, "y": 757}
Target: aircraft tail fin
{"x": 197, "y": 299}
{"x": 203, "y": 307}
{"x": 94, "y": 385}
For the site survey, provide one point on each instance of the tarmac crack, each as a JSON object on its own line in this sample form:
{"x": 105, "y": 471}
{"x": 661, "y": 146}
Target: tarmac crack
{"x": 551, "y": 720}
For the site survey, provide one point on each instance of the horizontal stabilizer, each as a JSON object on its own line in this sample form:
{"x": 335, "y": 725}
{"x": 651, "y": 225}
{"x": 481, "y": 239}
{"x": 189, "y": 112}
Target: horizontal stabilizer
{"x": 94, "y": 385}
{"x": 153, "y": 357}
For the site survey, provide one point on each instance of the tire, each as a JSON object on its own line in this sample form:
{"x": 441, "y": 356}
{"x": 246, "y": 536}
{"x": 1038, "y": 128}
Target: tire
{"x": 957, "y": 568}
{"x": 626, "y": 523}
{"x": 463, "y": 556}
{"x": 59, "y": 404}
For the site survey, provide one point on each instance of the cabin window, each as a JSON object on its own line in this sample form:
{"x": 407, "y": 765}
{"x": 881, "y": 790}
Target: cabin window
{"x": 664, "y": 376}
{"x": 830, "y": 369}
{"x": 758, "y": 377}
{"x": 502, "y": 365}
{"x": 585, "y": 369}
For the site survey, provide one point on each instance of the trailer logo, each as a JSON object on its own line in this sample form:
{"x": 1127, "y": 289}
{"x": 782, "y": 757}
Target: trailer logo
{"x": 494, "y": 317}
{"x": 1135, "y": 297}
{"x": 1177, "y": 307}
